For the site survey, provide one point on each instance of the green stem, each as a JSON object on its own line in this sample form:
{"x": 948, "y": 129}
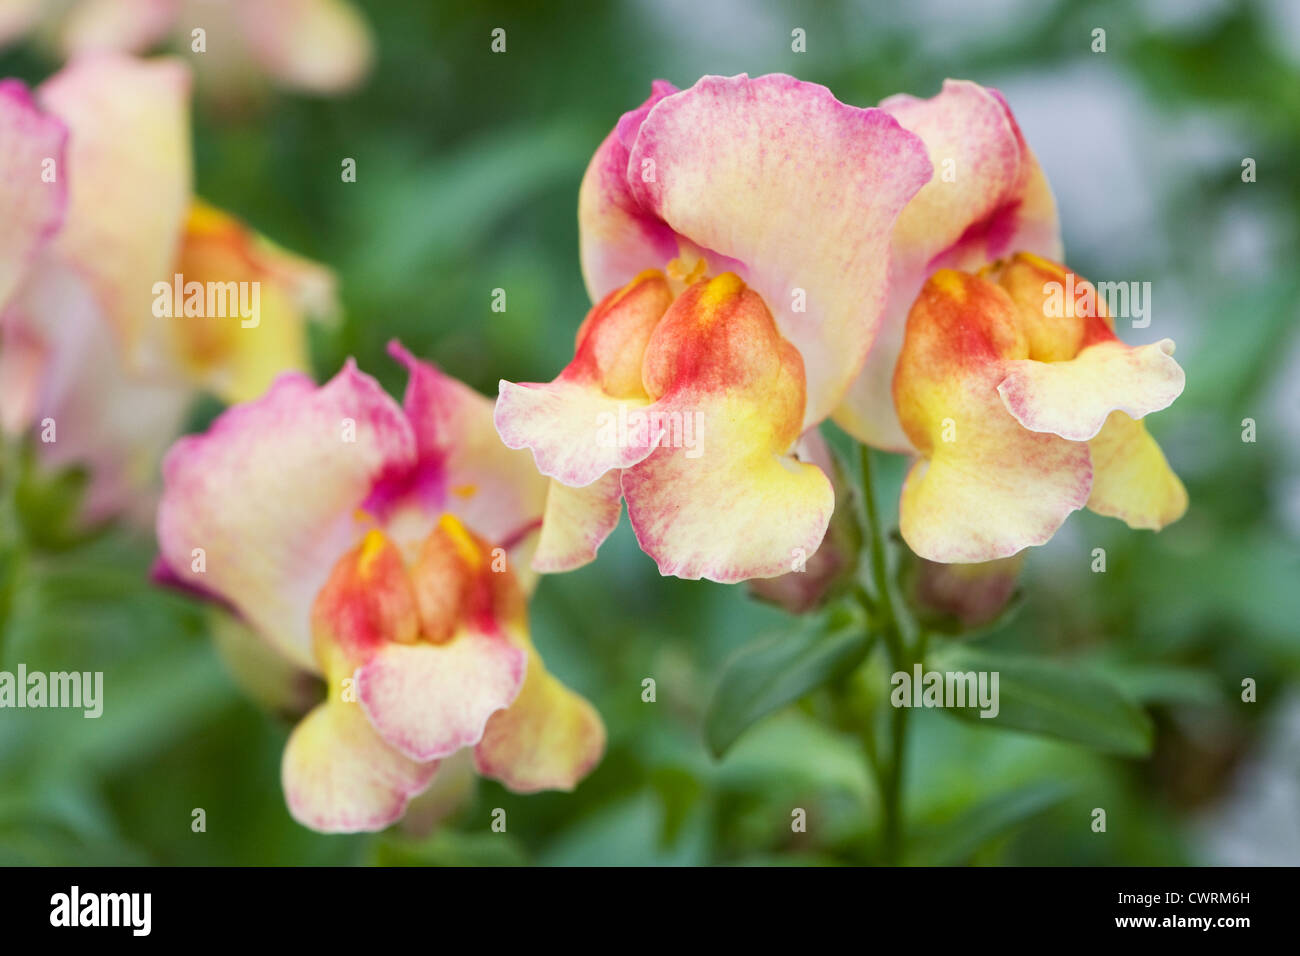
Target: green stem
{"x": 879, "y": 570}
{"x": 893, "y": 790}
{"x": 890, "y": 771}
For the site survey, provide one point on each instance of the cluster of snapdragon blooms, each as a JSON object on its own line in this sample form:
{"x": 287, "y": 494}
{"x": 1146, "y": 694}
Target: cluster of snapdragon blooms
{"x": 762, "y": 258}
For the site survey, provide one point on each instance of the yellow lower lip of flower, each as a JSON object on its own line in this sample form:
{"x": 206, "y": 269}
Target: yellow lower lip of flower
{"x": 1011, "y": 444}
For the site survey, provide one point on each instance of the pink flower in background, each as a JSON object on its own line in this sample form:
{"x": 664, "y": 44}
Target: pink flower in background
{"x": 374, "y": 544}
{"x": 316, "y": 46}
{"x": 98, "y": 189}
{"x": 32, "y": 207}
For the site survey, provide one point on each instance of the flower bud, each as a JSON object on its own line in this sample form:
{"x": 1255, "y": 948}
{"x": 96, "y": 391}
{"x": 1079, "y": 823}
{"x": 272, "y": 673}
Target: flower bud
{"x": 960, "y": 597}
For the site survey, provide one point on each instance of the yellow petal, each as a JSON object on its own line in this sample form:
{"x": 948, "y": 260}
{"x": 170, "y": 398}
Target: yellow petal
{"x": 576, "y": 522}
{"x": 1132, "y": 480}
{"x": 988, "y": 487}
{"x": 256, "y": 299}
{"x": 548, "y": 739}
{"x": 340, "y": 777}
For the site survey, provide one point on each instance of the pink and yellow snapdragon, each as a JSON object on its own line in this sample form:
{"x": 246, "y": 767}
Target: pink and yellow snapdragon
{"x": 755, "y": 248}
{"x": 374, "y": 545}
{"x": 735, "y": 237}
{"x": 999, "y": 367}
{"x": 1021, "y": 418}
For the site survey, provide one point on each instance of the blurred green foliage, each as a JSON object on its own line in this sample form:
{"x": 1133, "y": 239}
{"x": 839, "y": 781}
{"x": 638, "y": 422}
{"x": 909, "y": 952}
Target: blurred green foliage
{"x": 468, "y": 169}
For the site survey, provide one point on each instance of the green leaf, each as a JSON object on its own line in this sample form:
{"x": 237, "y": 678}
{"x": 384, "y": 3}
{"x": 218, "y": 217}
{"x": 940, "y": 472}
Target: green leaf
{"x": 48, "y": 503}
{"x": 771, "y": 673}
{"x": 791, "y": 753}
{"x": 446, "y": 847}
{"x": 629, "y": 832}
{"x": 1051, "y": 698}
{"x": 431, "y": 212}
{"x": 1158, "y": 684}
{"x": 11, "y": 563}
{"x": 955, "y": 841}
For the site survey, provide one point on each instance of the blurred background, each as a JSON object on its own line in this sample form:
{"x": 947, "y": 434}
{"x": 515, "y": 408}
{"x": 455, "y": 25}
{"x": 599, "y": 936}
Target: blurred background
{"x": 468, "y": 164}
